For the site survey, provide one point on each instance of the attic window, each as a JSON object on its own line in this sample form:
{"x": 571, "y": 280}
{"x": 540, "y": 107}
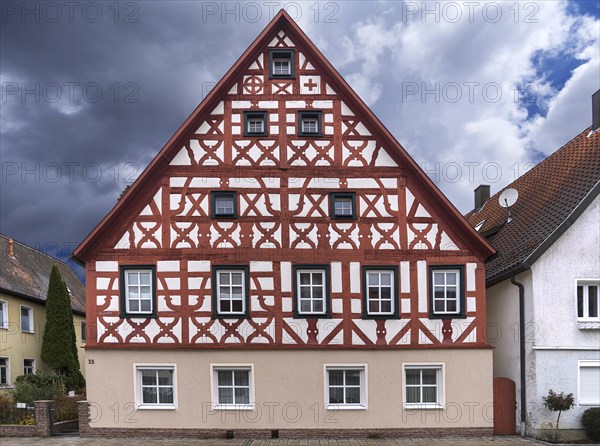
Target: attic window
{"x": 255, "y": 123}
{"x": 224, "y": 204}
{"x": 309, "y": 123}
{"x": 281, "y": 64}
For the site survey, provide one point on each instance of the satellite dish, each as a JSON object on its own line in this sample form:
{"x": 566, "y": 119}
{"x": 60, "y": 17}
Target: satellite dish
{"x": 508, "y": 198}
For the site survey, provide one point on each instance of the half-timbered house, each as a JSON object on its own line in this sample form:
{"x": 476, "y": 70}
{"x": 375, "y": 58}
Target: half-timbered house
{"x": 283, "y": 267}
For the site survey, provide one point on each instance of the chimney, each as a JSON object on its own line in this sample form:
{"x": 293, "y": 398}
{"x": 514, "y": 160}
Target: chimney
{"x": 596, "y": 111}
{"x": 482, "y": 194}
{"x": 10, "y": 248}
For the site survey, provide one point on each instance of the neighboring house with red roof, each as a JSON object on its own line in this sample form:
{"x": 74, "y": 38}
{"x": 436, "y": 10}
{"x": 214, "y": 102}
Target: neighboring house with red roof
{"x": 548, "y": 259}
{"x": 24, "y": 277}
{"x": 283, "y": 263}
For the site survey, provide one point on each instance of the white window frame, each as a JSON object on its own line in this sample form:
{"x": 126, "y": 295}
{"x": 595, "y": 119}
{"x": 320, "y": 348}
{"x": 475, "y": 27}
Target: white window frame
{"x": 4, "y": 322}
{"x": 8, "y": 373}
{"x": 282, "y": 60}
{"x": 308, "y": 121}
{"x": 31, "y": 320}
{"x": 457, "y": 272}
{"x": 218, "y": 290}
{"x": 225, "y": 210}
{"x": 214, "y": 382}
{"x": 441, "y": 384}
{"x": 586, "y": 283}
{"x": 32, "y": 365}
{"x": 137, "y": 379}
{"x": 363, "y": 368}
{"x": 379, "y": 286}
{"x": 585, "y": 363}
{"x": 127, "y": 299}
{"x": 253, "y": 122}
{"x": 299, "y": 286}
{"x": 342, "y": 201}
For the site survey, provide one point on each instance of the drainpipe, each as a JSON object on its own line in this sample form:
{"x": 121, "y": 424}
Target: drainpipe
{"x": 522, "y": 349}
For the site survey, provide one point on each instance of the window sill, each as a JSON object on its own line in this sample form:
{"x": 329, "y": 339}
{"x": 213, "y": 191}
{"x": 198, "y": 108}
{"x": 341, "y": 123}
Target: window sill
{"x": 345, "y": 407}
{"x": 426, "y": 406}
{"x": 28, "y": 332}
{"x": 588, "y": 404}
{"x": 6, "y": 386}
{"x": 157, "y": 407}
{"x": 588, "y": 325}
{"x": 233, "y": 406}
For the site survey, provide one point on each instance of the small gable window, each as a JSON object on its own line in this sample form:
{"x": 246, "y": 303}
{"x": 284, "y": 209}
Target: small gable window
{"x": 138, "y": 292}
{"x": 309, "y": 123}
{"x": 224, "y": 204}
{"x": 343, "y": 205}
{"x": 446, "y": 291}
{"x": 255, "y": 123}
{"x": 281, "y": 64}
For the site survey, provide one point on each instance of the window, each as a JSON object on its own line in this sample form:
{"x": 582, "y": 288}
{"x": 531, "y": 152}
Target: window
{"x": 138, "y": 292}
{"x": 83, "y": 327}
{"x": 3, "y": 314}
{"x": 312, "y": 290}
{"x": 281, "y": 64}
{"x": 589, "y": 383}
{"x": 343, "y": 205}
{"x": 423, "y": 386}
{"x": 588, "y": 301}
{"x": 26, "y": 319}
{"x": 309, "y": 123}
{"x": 4, "y": 372}
{"x": 255, "y": 123}
{"x": 28, "y": 366}
{"x": 224, "y": 204}
{"x": 233, "y": 387}
{"x": 345, "y": 387}
{"x": 155, "y": 387}
{"x": 446, "y": 291}
{"x": 230, "y": 290}
{"x": 380, "y": 291}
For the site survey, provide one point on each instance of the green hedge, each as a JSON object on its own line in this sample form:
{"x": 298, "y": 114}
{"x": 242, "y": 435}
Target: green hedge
{"x": 591, "y": 422}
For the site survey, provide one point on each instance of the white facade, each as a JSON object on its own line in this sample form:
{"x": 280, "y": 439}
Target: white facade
{"x": 556, "y": 343}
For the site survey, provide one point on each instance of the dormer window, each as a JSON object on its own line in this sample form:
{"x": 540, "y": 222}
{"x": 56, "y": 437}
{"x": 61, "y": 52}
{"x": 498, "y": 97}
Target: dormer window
{"x": 281, "y": 64}
{"x": 224, "y": 204}
{"x": 255, "y": 123}
{"x": 309, "y": 123}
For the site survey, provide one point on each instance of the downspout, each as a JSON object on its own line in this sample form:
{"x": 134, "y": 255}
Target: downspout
{"x": 522, "y": 349}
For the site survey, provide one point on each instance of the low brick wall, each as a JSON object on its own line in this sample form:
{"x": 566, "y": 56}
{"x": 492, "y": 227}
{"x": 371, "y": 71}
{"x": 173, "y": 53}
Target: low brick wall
{"x": 17, "y": 430}
{"x": 85, "y": 430}
{"x": 42, "y": 427}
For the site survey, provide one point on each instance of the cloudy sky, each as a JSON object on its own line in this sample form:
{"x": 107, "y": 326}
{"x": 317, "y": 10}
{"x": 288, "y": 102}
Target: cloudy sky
{"x": 477, "y": 92}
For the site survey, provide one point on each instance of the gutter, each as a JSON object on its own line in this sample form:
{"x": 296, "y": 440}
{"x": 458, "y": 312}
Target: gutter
{"x": 521, "y": 351}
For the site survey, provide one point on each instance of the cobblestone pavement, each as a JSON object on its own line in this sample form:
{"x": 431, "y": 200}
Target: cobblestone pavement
{"x": 441, "y": 441}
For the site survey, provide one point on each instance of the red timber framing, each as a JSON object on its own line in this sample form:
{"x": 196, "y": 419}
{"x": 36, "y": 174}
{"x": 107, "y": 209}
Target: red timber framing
{"x": 284, "y": 185}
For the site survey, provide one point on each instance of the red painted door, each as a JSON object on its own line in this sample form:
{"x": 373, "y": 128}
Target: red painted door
{"x": 505, "y": 405}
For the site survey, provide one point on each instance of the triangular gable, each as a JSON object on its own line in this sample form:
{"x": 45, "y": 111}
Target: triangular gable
{"x": 197, "y": 143}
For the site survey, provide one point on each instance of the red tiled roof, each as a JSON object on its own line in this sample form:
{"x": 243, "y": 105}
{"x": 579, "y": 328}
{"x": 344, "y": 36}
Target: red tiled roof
{"x": 562, "y": 184}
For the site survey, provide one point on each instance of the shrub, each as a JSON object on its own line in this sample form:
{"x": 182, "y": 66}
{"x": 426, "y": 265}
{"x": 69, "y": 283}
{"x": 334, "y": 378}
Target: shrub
{"x": 558, "y": 402}
{"x": 591, "y": 422}
{"x": 66, "y": 408}
{"x": 6, "y": 407}
{"x": 30, "y": 388}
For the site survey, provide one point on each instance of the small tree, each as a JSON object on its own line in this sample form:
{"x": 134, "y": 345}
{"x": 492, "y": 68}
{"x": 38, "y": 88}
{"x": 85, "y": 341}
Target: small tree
{"x": 558, "y": 403}
{"x": 59, "y": 348}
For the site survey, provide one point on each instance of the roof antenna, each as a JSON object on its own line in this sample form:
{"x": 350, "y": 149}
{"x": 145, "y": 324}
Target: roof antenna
{"x": 507, "y": 199}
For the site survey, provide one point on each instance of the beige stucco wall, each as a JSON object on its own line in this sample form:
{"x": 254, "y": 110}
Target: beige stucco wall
{"x": 289, "y": 389}
{"x": 17, "y": 345}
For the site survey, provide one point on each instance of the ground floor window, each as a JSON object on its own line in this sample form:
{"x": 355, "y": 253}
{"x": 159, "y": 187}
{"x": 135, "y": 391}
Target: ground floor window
{"x": 423, "y": 386}
{"x": 156, "y": 387}
{"x": 4, "y": 372}
{"x": 28, "y": 366}
{"x": 345, "y": 387}
{"x": 233, "y": 387}
{"x": 589, "y": 383}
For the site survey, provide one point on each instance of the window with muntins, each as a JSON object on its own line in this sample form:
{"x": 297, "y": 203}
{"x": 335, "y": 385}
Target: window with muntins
{"x": 311, "y": 291}
{"x": 28, "y": 366}
{"x": 233, "y": 387}
{"x": 345, "y": 387}
{"x": 230, "y": 289}
{"x": 26, "y": 319}
{"x": 156, "y": 386}
{"x": 343, "y": 205}
{"x": 255, "y": 123}
{"x": 380, "y": 292}
{"x": 309, "y": 123}
{"x": 588, "y": 301}
{"x": 224, "y": 204}
{"x": 422, "y": 386}
{"x": 281, "y": 64}
{"x": 446, "y": 291}
{"x": 138, "y": 289}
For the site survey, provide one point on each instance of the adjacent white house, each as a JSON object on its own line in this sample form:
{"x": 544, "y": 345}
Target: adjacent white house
{"x": 548, "y": 261}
